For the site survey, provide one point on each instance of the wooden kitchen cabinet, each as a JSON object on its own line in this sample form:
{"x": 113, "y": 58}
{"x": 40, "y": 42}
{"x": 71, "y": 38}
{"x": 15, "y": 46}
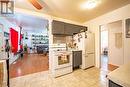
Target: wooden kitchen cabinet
{"x": 61, "y": 28}
{"x": 57, "y": 27}
{"x": 127, "y": 28}
{"x": 77, "y": 28}
{"x": 69, "y": 29}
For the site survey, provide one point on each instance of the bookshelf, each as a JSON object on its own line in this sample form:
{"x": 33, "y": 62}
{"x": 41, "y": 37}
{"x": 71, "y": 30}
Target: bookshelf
{"x": 38, "y": 40}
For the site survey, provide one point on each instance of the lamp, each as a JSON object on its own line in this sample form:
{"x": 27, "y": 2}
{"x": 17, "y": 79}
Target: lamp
{"x": 90, "y": 4}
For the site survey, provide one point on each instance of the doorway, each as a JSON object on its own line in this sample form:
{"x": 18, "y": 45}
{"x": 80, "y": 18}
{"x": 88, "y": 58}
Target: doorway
{"x": 104, "y": 47}
{"x": 34, "y": 38}
{"x": 111, "y": 45}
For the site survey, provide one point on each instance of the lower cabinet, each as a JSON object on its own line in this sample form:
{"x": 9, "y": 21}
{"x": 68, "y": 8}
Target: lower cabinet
{"x": 112, "y": 84}
{"x": 77, "y": 58}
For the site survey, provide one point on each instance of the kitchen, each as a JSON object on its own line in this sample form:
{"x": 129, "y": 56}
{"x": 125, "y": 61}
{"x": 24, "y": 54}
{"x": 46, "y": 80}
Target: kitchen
{"x": 72, "y": 48}
{"x": 67, "y": 42}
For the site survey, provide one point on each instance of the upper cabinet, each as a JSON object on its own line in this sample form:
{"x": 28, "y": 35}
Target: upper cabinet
{"x": 128, "y": 28}
{"x": 57, "y": 27}
{"x": 69, "y": 29}
{"x": 61, "y": 28}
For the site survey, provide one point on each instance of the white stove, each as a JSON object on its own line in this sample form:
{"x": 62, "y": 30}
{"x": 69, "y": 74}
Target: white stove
{"x": 61, "y": 60}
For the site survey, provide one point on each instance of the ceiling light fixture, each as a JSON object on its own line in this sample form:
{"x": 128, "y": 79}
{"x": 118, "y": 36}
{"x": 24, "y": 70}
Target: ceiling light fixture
{"x": 90, "y": 4}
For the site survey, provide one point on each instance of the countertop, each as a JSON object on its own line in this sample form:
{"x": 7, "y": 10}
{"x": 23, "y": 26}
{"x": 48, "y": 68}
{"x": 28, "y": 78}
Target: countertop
{"x": 121, "y": 75}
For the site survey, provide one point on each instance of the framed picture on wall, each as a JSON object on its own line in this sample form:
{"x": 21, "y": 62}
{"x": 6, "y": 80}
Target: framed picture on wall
{"x": 127, "y": 28}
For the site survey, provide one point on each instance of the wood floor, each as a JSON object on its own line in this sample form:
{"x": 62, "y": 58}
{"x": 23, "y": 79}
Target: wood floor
{"x": 104, "y": 64}
{"x": 112, "y": 67}
{"x": 31, "y": 63}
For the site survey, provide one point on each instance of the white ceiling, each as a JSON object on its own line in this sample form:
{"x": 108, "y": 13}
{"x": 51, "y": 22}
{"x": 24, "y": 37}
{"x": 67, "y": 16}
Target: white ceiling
{"x": 71, "y": 9}
{"x": 29, "y": 23}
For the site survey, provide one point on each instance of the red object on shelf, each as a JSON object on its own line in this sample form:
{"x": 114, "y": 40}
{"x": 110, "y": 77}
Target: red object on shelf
{"x": 14, "y": 40}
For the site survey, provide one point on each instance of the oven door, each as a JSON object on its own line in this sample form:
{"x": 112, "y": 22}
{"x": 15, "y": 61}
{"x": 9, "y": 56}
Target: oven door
{"x": 63, "y": 61}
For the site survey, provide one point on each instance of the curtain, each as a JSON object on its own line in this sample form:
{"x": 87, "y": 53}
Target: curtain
{"x": 14, "y": 40}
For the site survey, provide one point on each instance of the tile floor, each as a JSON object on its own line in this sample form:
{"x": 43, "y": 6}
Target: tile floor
{"x": 104, "y": 62}
{"x": 92, "y": 77}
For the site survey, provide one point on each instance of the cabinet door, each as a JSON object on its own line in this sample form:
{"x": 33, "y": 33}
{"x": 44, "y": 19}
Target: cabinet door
{"x": 71, "y": 29}
{"x": 77, "y": 58}
{"x": 78, "y": 29}
{"x": 68, "y": 29}
{"x": 57, "y": 27}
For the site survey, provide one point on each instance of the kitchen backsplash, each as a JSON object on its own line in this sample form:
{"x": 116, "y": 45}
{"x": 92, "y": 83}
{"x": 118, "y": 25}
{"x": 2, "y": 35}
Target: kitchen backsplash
{"x": 62, "y": 39}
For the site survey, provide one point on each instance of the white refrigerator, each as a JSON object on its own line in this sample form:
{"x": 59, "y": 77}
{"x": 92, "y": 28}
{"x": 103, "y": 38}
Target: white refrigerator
{"x": 86, "y": 43}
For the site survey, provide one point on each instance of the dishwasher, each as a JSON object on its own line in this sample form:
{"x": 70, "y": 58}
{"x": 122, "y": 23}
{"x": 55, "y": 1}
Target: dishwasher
{"x": 77, "y": 59}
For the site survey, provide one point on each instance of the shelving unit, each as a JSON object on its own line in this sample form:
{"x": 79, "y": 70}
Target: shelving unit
{"x": 38, "y": 40}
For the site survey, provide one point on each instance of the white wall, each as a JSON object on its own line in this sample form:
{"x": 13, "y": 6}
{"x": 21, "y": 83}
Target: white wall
{"x": 104, "y": 40}
{"x": 7, "y": 25}
{"x": 115, "y": 52}
{"x": 93, "y": 25}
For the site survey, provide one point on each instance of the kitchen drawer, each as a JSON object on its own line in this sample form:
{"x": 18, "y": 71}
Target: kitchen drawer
{"x": 63, "y": 71}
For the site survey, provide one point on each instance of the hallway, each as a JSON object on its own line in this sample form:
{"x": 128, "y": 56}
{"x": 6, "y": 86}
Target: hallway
{"x": 29, "y": 64}
{"x": 104, "y": 62}
{"x": 105, "y": 66}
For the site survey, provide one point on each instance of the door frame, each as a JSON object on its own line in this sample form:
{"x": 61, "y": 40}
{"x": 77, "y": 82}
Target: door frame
{"x": 2, "y": 26}
{"x": 100, "y": 44}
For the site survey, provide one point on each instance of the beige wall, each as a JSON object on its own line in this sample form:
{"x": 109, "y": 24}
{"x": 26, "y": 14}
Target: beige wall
{"x": 93, "y": 25}
{"x": 6, "y": 26}
{"x": 115, "y": 43}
